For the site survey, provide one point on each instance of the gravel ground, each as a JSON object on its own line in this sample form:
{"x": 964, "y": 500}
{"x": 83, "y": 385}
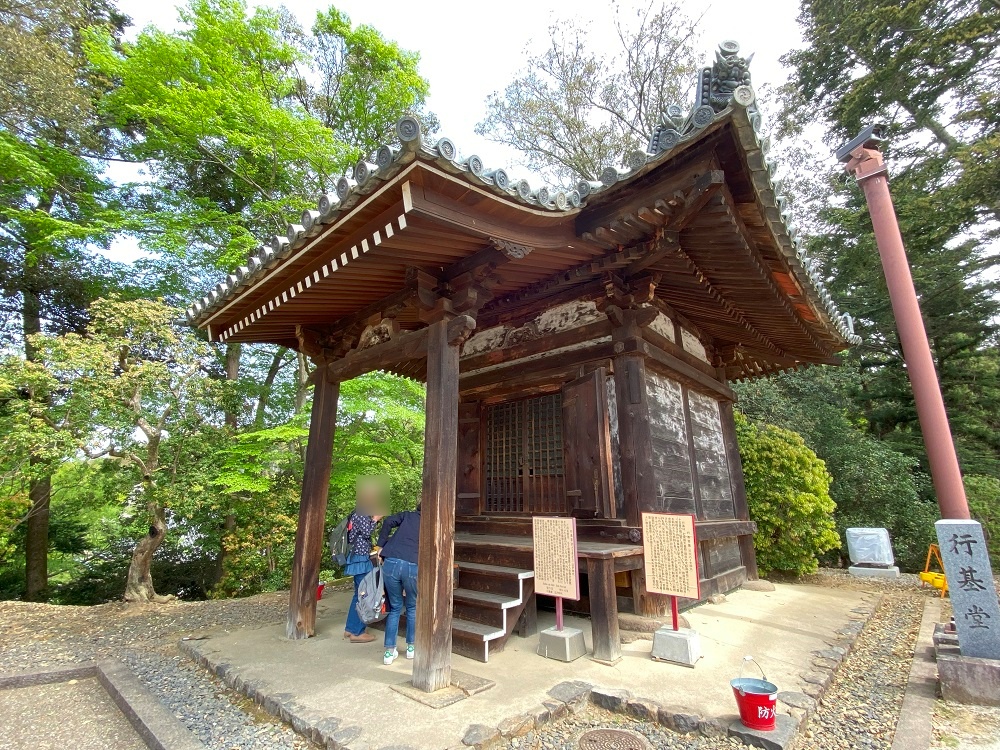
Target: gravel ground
{"x": 861, "y": 707}
{"x": 144, "y": 637}
{"x": 972, "y": 727}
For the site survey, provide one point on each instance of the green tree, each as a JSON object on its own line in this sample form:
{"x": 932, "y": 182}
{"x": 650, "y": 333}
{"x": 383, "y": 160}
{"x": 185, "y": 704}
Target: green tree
{"x": 984, "y": 503}
{"x": 928, "y": 69}
{"x": 132, "y": 390}
{"x": 54, "y": 205}
{"x": 573, "y": 112}
{"x": 789, "y": 498}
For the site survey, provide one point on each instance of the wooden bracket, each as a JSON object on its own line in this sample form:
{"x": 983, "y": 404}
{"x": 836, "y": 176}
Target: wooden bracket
{"x": 460, "y": 328}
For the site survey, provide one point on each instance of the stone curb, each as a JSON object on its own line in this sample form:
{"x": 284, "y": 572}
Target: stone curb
{"x": 152, "y": 721}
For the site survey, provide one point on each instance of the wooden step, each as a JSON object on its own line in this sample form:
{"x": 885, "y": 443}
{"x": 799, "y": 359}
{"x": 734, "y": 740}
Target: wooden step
{"x": 473, "y": 639}
{"x": 486, "y": 599}
{"x": 498, "y": 570}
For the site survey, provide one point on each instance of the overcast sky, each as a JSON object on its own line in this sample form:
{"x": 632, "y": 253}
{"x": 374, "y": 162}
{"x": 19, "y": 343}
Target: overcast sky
{"x": 470, "y": 49}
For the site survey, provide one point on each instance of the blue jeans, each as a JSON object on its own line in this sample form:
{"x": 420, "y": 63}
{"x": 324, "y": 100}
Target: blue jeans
{"x": 354, "y": 624}
{"x": 400, "y": 576}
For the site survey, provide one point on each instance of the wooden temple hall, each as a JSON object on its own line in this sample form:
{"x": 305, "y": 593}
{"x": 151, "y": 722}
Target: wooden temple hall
{"x": 577, "y": 346}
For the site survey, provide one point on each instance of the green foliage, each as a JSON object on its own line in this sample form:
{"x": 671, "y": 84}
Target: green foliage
{"x": 926, "y": 69}
{"x": 380, "y": 422}
{"x": 874, "y": 485}
{"x": 236, "y": 134}
{"x": 983, "y": 494}
{"x": 789, "y": 498}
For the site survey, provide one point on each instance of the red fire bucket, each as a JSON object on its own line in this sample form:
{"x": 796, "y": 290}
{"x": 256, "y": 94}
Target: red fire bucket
{"x": 319, "y": 591}
{"x": 755, "y": 698}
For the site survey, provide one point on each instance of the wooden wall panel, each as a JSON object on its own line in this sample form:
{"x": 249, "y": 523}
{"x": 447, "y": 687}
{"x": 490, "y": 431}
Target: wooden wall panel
{"x": 712, "y": 465}
{"x": 671, "y": 457}
{"x": 470, "y": 478}
{"x": 616, "y": 448}
{"x": 587, "y": 442}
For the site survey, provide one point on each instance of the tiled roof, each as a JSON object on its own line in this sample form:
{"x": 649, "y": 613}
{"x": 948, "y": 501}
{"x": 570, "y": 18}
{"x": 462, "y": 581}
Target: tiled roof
{"x": 723, "y": 92}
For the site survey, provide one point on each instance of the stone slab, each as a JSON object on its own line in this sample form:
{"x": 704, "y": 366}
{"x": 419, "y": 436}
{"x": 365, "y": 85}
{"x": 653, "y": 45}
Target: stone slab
{"x": 438, "y": 699}
{"x": 780, "y": 738}
{"x": 970, "y": 586}
{"x": 338, "y": 686}
{"x": 968, "y": 679}
{"x": 565, "y": 645}
{"x": 470, "y": 684}
{"x": 863, "y": 572}
{"x": 681, "y": 646}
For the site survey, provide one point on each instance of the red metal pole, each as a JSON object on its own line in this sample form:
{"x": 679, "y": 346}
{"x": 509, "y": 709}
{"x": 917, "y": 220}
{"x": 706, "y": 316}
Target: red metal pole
{"x": 559, "y": 613}
{"x": 867, "y": 165}
{"x": 673, "y": 612}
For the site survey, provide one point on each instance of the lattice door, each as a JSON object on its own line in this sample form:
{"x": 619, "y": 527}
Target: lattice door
{"x": 524, "y": 456}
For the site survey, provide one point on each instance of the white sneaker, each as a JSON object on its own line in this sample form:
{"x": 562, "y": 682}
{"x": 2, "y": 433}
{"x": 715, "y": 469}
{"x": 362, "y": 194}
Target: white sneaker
{"x": 390, "y": 656}
{"x": 409, "y": 650}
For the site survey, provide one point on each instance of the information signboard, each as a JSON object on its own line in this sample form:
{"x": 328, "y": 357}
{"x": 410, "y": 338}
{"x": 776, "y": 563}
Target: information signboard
{"x": 671, "y": 554}
{"x": 557, "y": 571}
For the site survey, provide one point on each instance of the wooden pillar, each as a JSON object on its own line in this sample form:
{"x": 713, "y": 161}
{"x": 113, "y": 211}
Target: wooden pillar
{"x": 638, "y": 479}
{"x": 312, "y": 509}
{"x": 603, "y": 609}
{"x": 435, "y": 582}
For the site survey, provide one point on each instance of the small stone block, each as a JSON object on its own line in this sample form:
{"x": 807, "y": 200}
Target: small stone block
{"x": 516, "y": 726}
{"x": 780, "y": 738}
{"x": 571, "y": 692}
{"x": 677, "y": 646}
{"x": 865, "y": 572}
{"x": 566, "y": 645}
{"x": 675, "y": 719}
{"x": 540, "y": 716}
{"x": 797, "y": 700}
{"x": 643, "y": 709}
{"x": 480, "y": 735}
{"x": 610, "y": 698}
{"x": 712, "y": 728}
{"x": 758, "y": 585}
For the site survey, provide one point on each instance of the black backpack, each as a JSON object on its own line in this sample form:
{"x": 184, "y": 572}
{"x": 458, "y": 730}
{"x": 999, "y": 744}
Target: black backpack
{"x": 340, "y": 544}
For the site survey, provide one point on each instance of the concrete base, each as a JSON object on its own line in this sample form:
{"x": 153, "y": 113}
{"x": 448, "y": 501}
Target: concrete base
{"x": 567, "y": 644}
{"x": 863, "y": 572}
{"x": 681, "y": 646}
{"x": 968, "y": 679}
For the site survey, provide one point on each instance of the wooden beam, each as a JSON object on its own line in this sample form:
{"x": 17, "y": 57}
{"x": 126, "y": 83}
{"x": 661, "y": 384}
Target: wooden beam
{"x": 435, "y": 576}
{"x": 680, "y": 369}
{"x": 604, "y": 610}
{"x": 310, "y": 534}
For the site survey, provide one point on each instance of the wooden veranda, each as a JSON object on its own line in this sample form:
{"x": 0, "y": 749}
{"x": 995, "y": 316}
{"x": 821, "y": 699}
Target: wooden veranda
{"x": 577, "y": 347}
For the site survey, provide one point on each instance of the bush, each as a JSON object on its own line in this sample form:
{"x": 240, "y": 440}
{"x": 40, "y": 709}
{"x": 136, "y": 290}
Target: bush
{"x": 788, "y": 491}
{"x": 983, "y": 494}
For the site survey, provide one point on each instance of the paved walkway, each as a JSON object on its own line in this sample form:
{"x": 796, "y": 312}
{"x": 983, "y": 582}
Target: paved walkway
{"x": 330, "y": 677}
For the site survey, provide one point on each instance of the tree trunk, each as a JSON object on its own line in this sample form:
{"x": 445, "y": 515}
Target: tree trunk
{"x": 233, "y": 352}
{"x": 36, "y": 546}
{"x": 302, "y": 391}
{"x": 268, "y": 385}
{"x": 139, "y": 586}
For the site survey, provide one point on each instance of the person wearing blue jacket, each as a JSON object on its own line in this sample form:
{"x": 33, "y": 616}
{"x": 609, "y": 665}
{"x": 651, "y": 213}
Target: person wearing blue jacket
{"x": 399, "y": 573}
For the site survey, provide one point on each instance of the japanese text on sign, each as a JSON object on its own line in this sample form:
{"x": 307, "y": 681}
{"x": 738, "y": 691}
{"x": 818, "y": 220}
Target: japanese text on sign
{"x": 557, "y": 570}
{"x": 669, "y": 550}
{"x": 970, "y": 585}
